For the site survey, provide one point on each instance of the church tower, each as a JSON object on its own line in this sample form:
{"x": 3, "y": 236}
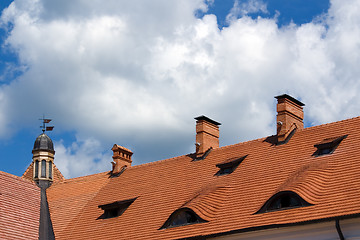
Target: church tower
{"x": 43, "y": 175}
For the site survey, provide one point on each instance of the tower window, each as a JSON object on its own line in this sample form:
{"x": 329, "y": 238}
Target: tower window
{"x": 282, "y": 201}
{"x": 115, "y": 209}
{"x": 328, "y": 145}
{"x": 229, "y": 165}
{"x": 50, "y": 170}
{"x": 36, "y": 169}
{"x": 43, "y": 168}
{"x": 181, "y": 217}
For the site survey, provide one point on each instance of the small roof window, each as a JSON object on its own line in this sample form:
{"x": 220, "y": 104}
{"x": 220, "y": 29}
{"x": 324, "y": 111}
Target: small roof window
{"x": 229, "y": 165}
{"x": 282, "y": 201}
{"x": 181, "y": 217}
{"x": 328, "y": 145}
{"x": 115, "y": 209}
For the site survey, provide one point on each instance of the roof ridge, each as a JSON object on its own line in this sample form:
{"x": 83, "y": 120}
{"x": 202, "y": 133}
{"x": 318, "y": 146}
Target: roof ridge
{"x": 17, "y": 177}
{"x": 329, "y": 123}
{"x": 181, "y": 156}
{"x": 215, "y": 149}
{"x": 300, "y": 130}
{"x": 243, "y": 143}
{"x": 61, "y": 175}
{"x": 136, "y": 166}
{"x": 26, "y": 171}
{"x": 158, "y": 161}
{"x": 76, "y": 179}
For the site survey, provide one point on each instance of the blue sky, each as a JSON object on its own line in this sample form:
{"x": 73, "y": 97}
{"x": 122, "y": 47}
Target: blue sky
{"x": 136, "y": 73}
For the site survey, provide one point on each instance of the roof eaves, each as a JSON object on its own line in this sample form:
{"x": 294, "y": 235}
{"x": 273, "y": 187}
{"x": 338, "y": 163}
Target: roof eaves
{"x": 272, "y": 226}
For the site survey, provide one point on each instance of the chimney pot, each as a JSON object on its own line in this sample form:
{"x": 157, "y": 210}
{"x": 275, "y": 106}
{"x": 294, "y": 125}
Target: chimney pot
{"x": 207, "y": 134}
{"x": 290, "y": 116}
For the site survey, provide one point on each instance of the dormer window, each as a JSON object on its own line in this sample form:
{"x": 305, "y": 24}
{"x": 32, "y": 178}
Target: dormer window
{"x": 328, "y": 145}
{"x": 282, "y": 201}
{"x": 181, "y": 217}
{"x": 115, "y": 209}
{"x": 229, "y": 165}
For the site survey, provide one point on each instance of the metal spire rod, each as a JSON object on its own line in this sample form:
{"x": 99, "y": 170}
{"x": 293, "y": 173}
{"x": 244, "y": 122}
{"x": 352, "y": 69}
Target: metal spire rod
{"x": 44, "y": 122}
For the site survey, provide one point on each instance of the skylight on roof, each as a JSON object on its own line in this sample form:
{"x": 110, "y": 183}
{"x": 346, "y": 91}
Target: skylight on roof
{"x": 115, "y": 209}
{"x": 328, "y": 145}
{"x": 229, "y": 165}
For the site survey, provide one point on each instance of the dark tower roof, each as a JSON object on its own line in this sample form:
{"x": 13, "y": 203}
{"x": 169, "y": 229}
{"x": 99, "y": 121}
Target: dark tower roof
{"x": 43, "y": 142}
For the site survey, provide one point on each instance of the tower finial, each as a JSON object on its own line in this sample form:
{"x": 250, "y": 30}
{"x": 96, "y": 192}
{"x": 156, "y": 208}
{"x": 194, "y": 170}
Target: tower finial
{"x": 44, "y": 122}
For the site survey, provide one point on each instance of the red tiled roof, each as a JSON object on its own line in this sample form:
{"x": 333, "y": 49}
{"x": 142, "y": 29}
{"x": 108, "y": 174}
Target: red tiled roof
{"x": 19, "y": 208}
{"x": 69, "y": 198}
{"x": 228, "y": 202}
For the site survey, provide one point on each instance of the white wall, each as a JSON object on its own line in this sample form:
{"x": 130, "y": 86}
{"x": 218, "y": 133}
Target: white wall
{"x": 316, "y": 231}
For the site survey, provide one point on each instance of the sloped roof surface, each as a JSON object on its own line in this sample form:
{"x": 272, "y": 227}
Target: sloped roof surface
{"x": 229, "y": 202}
{"x": 19, "y": 208}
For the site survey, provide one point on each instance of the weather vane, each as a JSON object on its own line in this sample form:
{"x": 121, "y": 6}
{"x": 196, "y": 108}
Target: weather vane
{"x": 44, "y": 127}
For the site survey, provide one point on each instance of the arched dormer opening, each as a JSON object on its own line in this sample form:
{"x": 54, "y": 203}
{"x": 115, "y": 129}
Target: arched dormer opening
{"x": 282, "y": 201}
{"x": 181, "y": 217}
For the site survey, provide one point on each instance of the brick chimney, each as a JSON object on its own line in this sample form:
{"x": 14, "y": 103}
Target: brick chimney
{"x": 207, "y": 134}
{"x": 290, "y": 116}
{"x": 121, "y": 158}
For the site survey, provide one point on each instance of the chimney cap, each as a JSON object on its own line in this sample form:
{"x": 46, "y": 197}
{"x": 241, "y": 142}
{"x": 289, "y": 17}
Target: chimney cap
{"x": 290, "y": 98}
{"x": 202, "y": 117}
{"x": 118, "y": 147}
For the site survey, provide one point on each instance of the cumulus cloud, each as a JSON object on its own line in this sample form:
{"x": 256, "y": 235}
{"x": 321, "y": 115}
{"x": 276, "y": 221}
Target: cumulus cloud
{"x": 74, "y": 160}
{"x": 137, "y": 72}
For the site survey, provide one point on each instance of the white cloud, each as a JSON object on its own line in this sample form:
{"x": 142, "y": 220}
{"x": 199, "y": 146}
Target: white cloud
{"x": 137, "y": 74}
{"x": 245, "y": 7}
{"x": 81, "y": 157}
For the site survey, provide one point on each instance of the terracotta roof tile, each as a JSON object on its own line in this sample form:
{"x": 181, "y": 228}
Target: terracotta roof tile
{"x": 70, "y": 197}
{"x": 19, "y": 208}
{"x": 58, "y": 177}
{"x": 28, "y": 174}
{"x": 208, "y": 201}
{"x": 229, "y": 202}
